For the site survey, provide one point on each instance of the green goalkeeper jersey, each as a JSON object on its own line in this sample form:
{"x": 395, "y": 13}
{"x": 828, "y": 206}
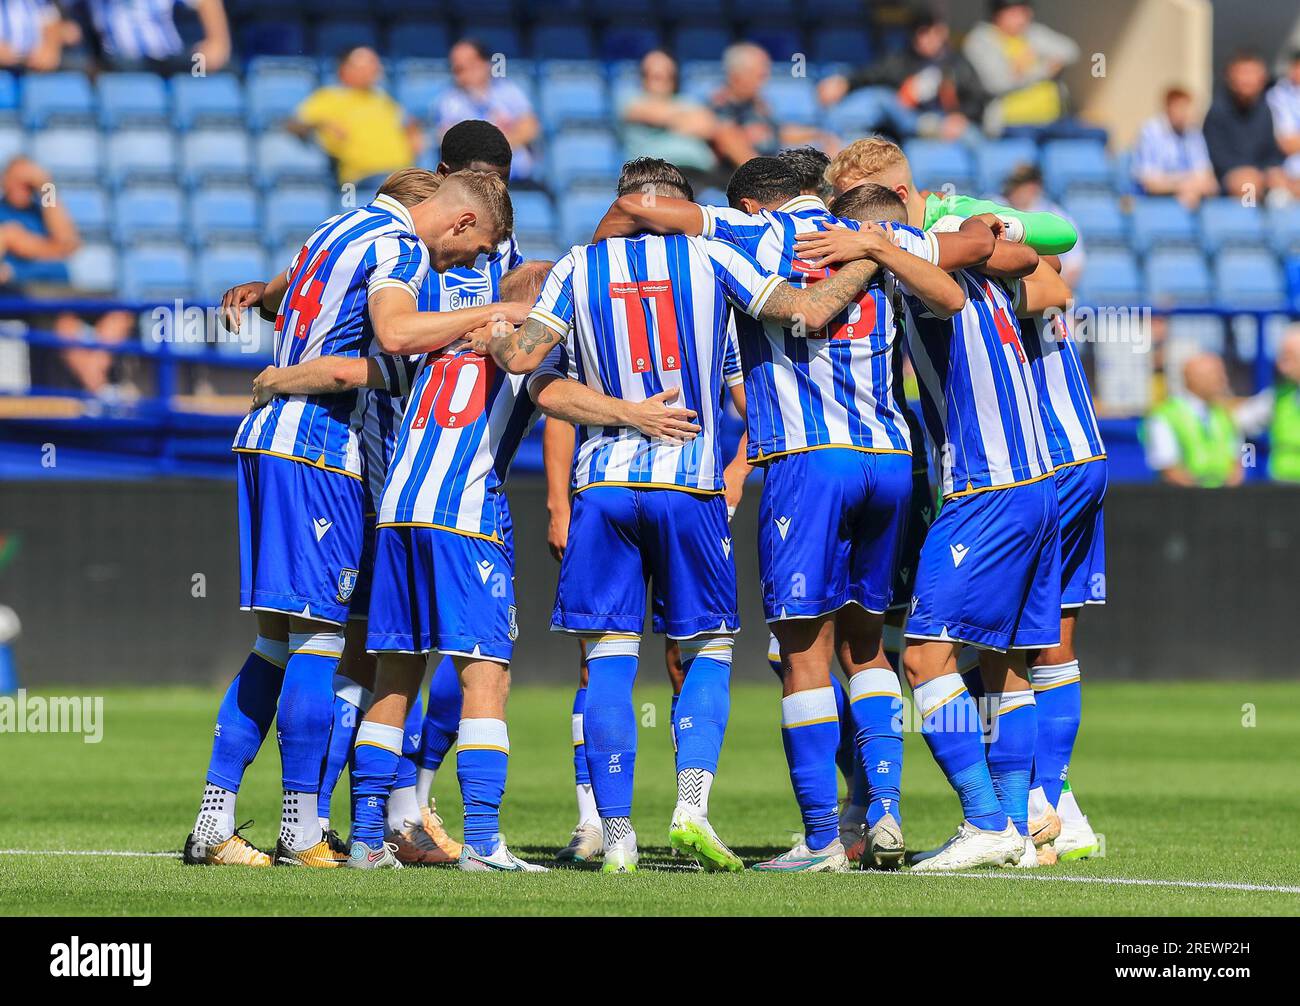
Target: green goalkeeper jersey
{"x": 1046, "y": 233}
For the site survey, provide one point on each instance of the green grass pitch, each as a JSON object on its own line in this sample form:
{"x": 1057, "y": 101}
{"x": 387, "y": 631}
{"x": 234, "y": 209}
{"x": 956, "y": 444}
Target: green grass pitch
{"x": 1190, "y": 798}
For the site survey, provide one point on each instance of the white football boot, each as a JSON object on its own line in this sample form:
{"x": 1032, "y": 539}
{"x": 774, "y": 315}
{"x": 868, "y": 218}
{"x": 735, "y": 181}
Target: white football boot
{"x": 972, "y": 847}
{"x": 621, "y": 857}
{"x": 501, "y": 861}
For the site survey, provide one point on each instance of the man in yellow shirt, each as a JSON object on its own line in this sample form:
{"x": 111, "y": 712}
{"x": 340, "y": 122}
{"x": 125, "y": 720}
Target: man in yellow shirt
{"x": 364, "y": 131}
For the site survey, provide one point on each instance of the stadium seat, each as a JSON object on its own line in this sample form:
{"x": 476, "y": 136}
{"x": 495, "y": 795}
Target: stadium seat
{"x": 700, "y": 41}
{"x": 214, "y": 99}
{"x": 1071, "y": 164}
{"x": 1110, "y": 277}
{"x": 417, "y": 93}
{"x": 131, "y": 99}
{"x": 1177, "y": 276}
{"x": 68, "y": 154}
{"x": 998, "y": 158}
{"x": 88, "y": 205}
{"x": 1098, "y": 217}
{"x": 156, "y": 272}
{"x": 580, "y": 212}
{"x": 629, "y": 41}
{"x": 224, "y": 266}
{"x": 1160, "y": 220}
{"x": 533, "y": 211}
{"x": 1249, "y": 277}
{"x": 417, "y": 37}
{"x": 793, "y": 100}
{"x": 224, "y": 212}
{"x": 781, "y": 41}
{"x": 8, "y": 95}
{"x": 215, "y": 154}
{"x": 155, "y": 212}
{"x": 841, "y": 45}
{"x": 56, "y": 98}
{"x": 540, "y": 245}
{"x": 860, "y": 113}
{"x": 139, "y": 154}
{"x": 569, "y": 40}
{"x": 502, "y": 38}
{"x": 936, "y": 164}
{"x": 281, "y": 157}
{"x": 333, "y": 38}
{"x": 94, "y": 269}
{"x": 583, "y": 155}
{"x": 293, "y": 213}
{"x": 1284, "y": 229}
{"x": 573, "y": 101}
{"x": 1225, "y": 222}
{"x": 284, "y": 36}
{"x": 273, "y": 96}
{"x": 12, "y": 142}
{"x": 701, "y": 78}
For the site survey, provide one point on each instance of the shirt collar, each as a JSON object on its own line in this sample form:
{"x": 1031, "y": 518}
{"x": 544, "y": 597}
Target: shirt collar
{"x": 802, "y": 202}
{"x": 390, "y": 205}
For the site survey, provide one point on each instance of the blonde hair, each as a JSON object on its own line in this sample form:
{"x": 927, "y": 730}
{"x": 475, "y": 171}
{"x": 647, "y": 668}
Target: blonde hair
{"x": 410, "y": 186}
{"x": 862, "y": 160}
{"x": 487, "y": 190}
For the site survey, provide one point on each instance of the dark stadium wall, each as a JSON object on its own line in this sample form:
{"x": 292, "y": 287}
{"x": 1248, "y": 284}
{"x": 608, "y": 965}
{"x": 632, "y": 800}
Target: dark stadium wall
{"x": 137, "y": 582}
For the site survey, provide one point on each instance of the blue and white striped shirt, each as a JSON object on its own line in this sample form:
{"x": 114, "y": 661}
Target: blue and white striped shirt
{"x": 325, "y": 312}
{"x": 641, "y": 315}
{"x": 22, "y": 23}
{"x": 138, "y": 29}
{"x": 835, "y": 390}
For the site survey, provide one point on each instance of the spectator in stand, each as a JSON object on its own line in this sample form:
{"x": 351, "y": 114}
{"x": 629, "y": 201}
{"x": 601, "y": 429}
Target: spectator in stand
{"x": 1284, "y": 103}
{"x": 1192, "y": 439}
{"x": 739, "y": 104}
{"x": 1019, "y": 63}
{"x": 659, "y": 121}
{"x": 1276, "y": 410}
{"x": 480, "y": 93}
{"x": 33, "y": 34}
{"x": 142, "y": 35}
{"x": 363, "y": 130}
{"x": 1239, "y": 131}
{"x": 38, "y": 237}
{"x": 1023, "y": 190}
{"x": 927, "y": 89}
{"x": 1171, "y": 158}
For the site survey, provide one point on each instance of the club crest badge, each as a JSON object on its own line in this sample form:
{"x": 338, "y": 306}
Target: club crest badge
{"x": 347, "y": 583}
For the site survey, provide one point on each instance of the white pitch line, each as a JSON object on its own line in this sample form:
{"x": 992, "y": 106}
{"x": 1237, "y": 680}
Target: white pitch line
{"x": 88, "y": 852}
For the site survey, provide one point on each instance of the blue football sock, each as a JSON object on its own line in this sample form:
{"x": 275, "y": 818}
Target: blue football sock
{"x": 411, "y": 746}
{"x": 810, "y": 732}
{"x": 609, "y": 723}
{"x": 672, "y": 718}
{"x": 700, "y": 715}
{"x": 876, "y": 704}
{"x": 481, "y": 762}
{"x": 246, "y": 713}
{"x": 441, "y": 715}
{"x": 348, "y": 699}
{"x": 846, "y": 755}
{"x": 580, "y": 774}
{"x": 374, "y": 770}
{"x": 1057, "y": 692}
{"x": 307, "y": 708}
{"x": 952, "y": 729}
{"x": 1013, "y": 731}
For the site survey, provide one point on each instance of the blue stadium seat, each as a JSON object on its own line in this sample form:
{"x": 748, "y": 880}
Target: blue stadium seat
{"x": 13, "y": 141}
{"x": 571, "y": 40}
{"x": 701, "y": 78}
{"x": 417, "y": 93}
{"x": 1249, "y": 277}
{"x": 285, "y": 36}
{"x": 293, "y": 213}
{"x": 131, "y": 99}
{"x": 1284, "y": 229}
{"x": 281, "y": 158}
{"x": 533, "y": 211}
{"x": 94, "y": 269}
{"x": 502, "y": 38}
{"x": 700, "y": 41}
{"x": 780, "y": 40}
{"x": 157, "y": 272}
{"x": 998, "y": 158}
{"x": 1226, "y": 222}
{"x": 859, "y": 113}
{"x": 273, "y": 96}
{"x": 793, "y": 100}
{"x": 570, "y": 101}
{"x": 222, "y": 266}
{"x": 1110, "y": 277}
{"x": 68, "y": 154}
{"x": 580, "y": 212}
{"x": 138, "y": 154}
{"x": 88, "y": 205}
{"x": 333, "y": 38}
{"x": 52, "y": 98}
{"x": 216, "y": 98}
{"x": 936, "y": 164}
{"x": 215, "y": 154}
{"x": 841, "y": 45}
{"x": 582, "y": 155}
{"x": 1071, "y": 164}
{"x": 1177, "y": 276}
{"x": 693, "y": 11}
{"x": 224, "y": 212}
{"x": 540, "y": 245}
{"x": 8, "y": 95}
{"x": 418, "y": 37}
{"x": 259, "y": 66}
{"x": 1098, "y": 217}
{"x": 629, "y": 41}
{"x": 1160, "y": 220}
{"x": 147, "y": 213}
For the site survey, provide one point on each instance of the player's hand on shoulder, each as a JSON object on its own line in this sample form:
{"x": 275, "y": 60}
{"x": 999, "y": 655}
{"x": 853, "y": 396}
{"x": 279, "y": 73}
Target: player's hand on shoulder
{"x": 237, "y": 300}
{"x": 830, "y": 246}
{"x": 514, "y": 311}
{"x": 656, "y": 417}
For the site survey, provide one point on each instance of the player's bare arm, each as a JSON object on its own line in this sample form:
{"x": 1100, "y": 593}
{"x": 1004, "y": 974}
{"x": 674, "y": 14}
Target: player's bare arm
{"x": 557, "y": 460}
{"x": 813, "y": 307}
{"x": 1042, "y": 291}
{"x": 517, "y": 350}
{"x": 1010, "y": 260}
{"x": 738, "y": 468}
{"x": 324, "y": 375}
{"x": 936, "y": 289}
{"x": 968, "y": 246}
{"x": 266, "y": 297}
{"x": 655, "y": 417}
{"x": 403, "y": 331}
{"x": 638, "y": 214}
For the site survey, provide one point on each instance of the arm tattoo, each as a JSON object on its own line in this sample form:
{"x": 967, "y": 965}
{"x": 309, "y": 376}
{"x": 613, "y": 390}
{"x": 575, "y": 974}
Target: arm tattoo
{"x": 527, "y": 340}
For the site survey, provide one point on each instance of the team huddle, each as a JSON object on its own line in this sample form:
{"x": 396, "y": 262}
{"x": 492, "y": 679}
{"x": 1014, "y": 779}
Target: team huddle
{"x": 955, "y": 547}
